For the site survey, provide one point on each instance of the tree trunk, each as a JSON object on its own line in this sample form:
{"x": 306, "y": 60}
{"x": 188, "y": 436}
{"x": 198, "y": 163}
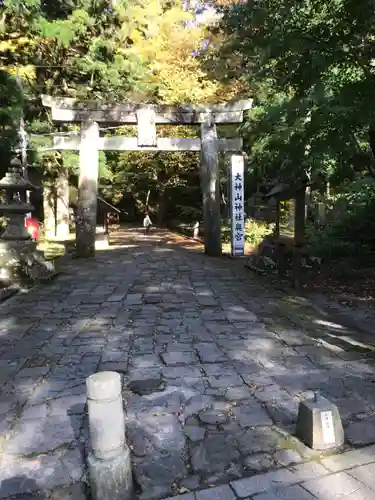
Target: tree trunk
{"x": 56, "y": 207}
{"x": 147, "y": 200}
{"x": 162, "y": 208}
{"x": 299, "y": 236}
{"x": 371, "y": 167}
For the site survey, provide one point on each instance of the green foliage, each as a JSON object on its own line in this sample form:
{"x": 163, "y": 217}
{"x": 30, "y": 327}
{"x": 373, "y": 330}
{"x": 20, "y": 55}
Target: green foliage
{"x": 351, "y": 234}
{"x": 309, "y": 65}
{"x": 127, "y": 51}
{"x": 11, "y": 102}
{"x": 256, "y": 231}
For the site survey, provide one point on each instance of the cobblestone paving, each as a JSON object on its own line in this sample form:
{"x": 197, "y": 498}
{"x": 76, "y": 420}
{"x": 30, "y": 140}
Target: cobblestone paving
{"x": 213, "y": 374}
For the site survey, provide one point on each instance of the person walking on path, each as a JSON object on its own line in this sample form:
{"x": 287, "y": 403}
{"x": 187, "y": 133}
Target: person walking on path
{"x": 147, "y": 223}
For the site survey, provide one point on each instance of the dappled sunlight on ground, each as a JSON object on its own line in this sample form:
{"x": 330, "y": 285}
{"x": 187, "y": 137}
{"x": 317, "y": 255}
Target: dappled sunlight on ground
{"x": 214, "y": 363}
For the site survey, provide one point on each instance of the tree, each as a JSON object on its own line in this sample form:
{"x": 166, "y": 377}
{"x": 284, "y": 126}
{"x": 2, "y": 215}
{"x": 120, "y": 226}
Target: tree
{"x": 310, "y": 65}
{"x": 11, "y": 104}
{"x": 148, "y": 51}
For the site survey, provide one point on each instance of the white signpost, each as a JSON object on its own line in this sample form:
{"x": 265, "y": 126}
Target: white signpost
{"x": 237, "y": 205}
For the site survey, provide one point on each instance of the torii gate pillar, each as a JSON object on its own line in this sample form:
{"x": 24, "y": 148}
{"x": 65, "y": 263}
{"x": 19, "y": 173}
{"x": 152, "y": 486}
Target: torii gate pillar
{"x": 87, "y": 189}
{"x": 210, "y": 178}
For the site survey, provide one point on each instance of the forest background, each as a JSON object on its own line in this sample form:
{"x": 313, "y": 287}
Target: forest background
{"x": 309, "y": 66}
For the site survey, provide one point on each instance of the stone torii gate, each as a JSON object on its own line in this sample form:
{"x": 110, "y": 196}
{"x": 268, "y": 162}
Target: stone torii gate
{"x": 146, "y": 117}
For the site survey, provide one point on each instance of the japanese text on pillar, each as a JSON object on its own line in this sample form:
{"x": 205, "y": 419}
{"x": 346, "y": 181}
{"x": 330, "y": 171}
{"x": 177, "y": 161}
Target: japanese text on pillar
{"x": 237, "y": 177}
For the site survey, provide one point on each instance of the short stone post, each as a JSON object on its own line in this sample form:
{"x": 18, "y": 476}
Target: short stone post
{"x": 196, "y": 231}
{"x": 319, "y": 424}
{"x": 109, "y": 462}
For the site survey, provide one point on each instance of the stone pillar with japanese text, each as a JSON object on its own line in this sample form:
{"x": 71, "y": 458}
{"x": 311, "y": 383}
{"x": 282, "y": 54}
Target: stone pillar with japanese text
{"x": 236, "y": 177}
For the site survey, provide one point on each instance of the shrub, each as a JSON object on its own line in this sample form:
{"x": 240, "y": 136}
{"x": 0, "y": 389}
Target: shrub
{"x": 352, "y": 235}
{"x": 256, "y": 231}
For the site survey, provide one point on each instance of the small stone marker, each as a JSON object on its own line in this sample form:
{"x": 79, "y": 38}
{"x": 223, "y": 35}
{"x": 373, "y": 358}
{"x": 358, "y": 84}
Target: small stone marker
{"x": 196, "y": 230}
{"x": 109, "y": 463}
{"x": 319, "y": 424}
{"x": 101, "y": 241}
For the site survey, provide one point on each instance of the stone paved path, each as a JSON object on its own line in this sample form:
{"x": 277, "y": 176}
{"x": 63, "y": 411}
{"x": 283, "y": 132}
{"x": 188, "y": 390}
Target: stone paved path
{"x": 214, "y": 367}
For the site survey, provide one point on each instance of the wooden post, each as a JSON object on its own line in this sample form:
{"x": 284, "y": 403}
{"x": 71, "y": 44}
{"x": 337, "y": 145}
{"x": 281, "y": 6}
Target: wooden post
{"x": 87, "y": 189}
{"x": 280, "y": 246}
{"x": 210, "y": 174}
{"x": 299, "y": 236}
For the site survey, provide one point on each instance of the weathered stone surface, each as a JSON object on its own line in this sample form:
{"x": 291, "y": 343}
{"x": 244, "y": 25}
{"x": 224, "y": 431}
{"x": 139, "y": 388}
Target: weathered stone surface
{"x": 74, "y": 463}
{"x": 262, "y": 482}
{"x": 111, "y": 479}
{"x": 159, "y": 470}
{"x": 350, "y": 459}
{"x": 191, "y": 482}
{"x": 258, "y": 462}
{"x": 196, "y": 404}
{"x": 194, "y": 433}
{"x": 238, "y": 393}
{"x": 38, "y": 411}
{"x": 240, "y": 314}
{"x": 284, "y": 458}
{"x": 365, "y": 474}
{"x": 259, "y": 439}
{"x": 26, "y": 475}
{"x": 41, "y": 436}
{"x": 283, "y": 412}
{"x": 216, "y": 479}
{"x": 164, "y": 432}
{"x": 114, "y": 366}
{"x": 178, "y": 357}
{"x": 145, "y": 381}
{"x": 209, "y": 353}
{"x": 214, "y": 454}
{"x": 68, "y": 405}
{"x": 171, "y": 397}
{"x": 218, "y": 493}
{"x": 145, "y": 362}
{"x": 223, "y": 382}
{"x": 251, "y": 415}
{"x": 335, "y": 486}
{"x": 156, "y": 493}
{"x": 138, "y": 439}
{"x": 361, "y": 433}
{"x": 174, "y": 372}
{"x": 295, "y": 492}
{"x": 76, "y": 491}
{"x": 213, "y": 417}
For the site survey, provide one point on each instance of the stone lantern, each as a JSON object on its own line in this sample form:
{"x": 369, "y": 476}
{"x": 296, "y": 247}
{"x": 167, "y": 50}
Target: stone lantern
{"x": 20, "y": 262}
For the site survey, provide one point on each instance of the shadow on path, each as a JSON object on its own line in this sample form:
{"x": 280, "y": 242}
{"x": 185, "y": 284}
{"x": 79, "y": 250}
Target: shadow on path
{"x": 214, "y": 360}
